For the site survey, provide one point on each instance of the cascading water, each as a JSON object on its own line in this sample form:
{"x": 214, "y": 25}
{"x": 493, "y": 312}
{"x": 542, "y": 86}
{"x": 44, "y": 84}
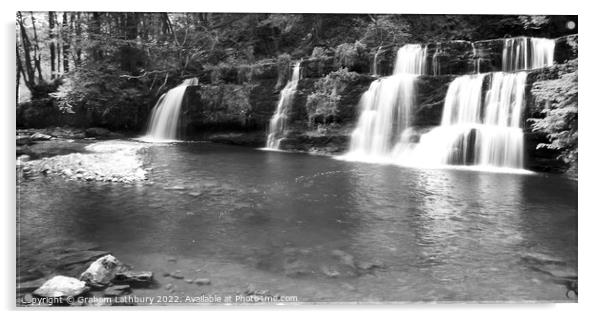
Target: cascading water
{"x": 278, "y": 121}
{"x": 472, "y": 132}
{"x": 436, "y": 65}
{"x": 487, "y": 135}
{"x": 386, "y": 107}
{"x": 375, "y": 62}
{"x": 476, "y": 59}
{"x": 525, "y": 53}
{"x": 163, "y": 125}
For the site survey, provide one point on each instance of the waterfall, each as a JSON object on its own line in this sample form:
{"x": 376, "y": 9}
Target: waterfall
{"x": 375, "y": 62}
{"x": 166, "y": 113}
{"x": 476, "y": 59}
{"x": 486, "y": 134}
{"x": 525, "y": 53}
{"x": 386, "y": 107}
{"x": 483, "y": 130}
{"x": 278, "y": 121}
{"x": 436, "y": 64}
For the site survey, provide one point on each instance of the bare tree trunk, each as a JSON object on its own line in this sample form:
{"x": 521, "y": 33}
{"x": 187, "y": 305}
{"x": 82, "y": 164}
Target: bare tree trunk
{"x": 66, "y": 44}
{"x": 78, "y": 37}
{"x": 36, "y": 52}
{"x": 52, "y": 45}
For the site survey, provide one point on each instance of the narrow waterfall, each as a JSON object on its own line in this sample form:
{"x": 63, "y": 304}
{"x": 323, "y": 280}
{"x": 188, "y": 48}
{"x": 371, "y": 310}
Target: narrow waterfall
{"x": 375, "y": 62}
{"x": 163, "y": 125}
{"x": 279, "y": 120}
{"x": 436, "y": 64}
{"x": 483, "y": 130}
{"x": 476, "y": 59}
{"x": 525, "y": 53}
{"x": 386, "y": 107}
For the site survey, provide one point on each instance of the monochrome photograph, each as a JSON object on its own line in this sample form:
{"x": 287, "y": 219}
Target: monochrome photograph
{"x": 271, "y": 158}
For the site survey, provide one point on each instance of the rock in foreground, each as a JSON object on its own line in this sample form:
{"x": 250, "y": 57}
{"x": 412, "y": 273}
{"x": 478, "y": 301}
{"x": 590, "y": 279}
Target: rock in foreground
{"x": 101, "y": 272}
{"x": 61, "y": 286}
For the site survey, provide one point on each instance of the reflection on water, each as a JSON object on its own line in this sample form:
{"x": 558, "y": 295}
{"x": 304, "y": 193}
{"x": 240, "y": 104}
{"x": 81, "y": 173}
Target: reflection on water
{"x": 276, "y": 219}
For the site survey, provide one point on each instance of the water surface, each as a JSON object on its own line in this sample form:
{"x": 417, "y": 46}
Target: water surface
{"x": 277, "y": 221}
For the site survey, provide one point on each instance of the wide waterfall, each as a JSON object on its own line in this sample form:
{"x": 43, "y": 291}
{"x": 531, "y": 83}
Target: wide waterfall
{"x": 279, "y": 120}
{"x": 166, "y": 113}
{"x": 488, "y": 135}
{"x": 483, "y": 130}
{"x": 386, "y": 107}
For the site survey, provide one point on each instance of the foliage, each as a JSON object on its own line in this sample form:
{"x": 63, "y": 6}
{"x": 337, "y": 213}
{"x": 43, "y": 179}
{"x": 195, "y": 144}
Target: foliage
{"x": 558, "y": 101}
{"x": 352, "y": 56}
{"x": 386, "y": 29}
{"x": 320, "y": 53}
{"x": 323, "y": 104}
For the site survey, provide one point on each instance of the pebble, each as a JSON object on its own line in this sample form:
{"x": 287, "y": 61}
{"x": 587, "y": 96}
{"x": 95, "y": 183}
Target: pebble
{"x": 202, "y": 281}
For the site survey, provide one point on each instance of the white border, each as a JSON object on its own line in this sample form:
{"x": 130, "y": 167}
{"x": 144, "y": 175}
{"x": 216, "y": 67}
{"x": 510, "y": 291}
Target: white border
{"x": 589, "y": 166}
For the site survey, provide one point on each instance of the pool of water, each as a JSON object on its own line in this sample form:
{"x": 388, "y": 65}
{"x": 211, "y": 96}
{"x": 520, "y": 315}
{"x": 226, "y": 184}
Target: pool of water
{"x": 279, "y": 221}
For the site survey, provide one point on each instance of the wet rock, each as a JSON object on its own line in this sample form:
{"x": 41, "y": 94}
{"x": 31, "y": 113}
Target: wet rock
{"x": 177, "y": 275}
{"x": 61, "y": 286}
{"x": 101, "y": 272}
{"x": 117, "y": 290}
{"x": 40, "y": 137}
{"x": 134, "y": 279}
{"x": 202, "y": 281}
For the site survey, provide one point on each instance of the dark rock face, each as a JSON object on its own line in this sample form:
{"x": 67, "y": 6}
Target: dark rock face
{"x": 431, "y": 91}
{"x": 450, "y": 58}
{"x": 317, "y": 67}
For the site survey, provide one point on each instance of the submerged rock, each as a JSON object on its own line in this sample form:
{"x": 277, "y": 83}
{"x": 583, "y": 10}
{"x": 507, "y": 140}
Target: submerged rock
{"x": 101, "y": 272}
{"x": 134, "y": 278}
{"x": 61, "y": 286}
{"x": 202, "y": 281}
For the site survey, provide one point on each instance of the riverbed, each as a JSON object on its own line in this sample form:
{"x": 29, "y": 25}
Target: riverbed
{"x": 315, "y": 228}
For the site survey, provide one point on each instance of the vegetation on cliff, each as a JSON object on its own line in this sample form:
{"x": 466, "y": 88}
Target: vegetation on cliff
{"x": 557, "y": 99}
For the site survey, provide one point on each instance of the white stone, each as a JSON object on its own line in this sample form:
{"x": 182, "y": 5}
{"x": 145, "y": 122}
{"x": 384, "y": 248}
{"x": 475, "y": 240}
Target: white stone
{"x": 61, "y": 286}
